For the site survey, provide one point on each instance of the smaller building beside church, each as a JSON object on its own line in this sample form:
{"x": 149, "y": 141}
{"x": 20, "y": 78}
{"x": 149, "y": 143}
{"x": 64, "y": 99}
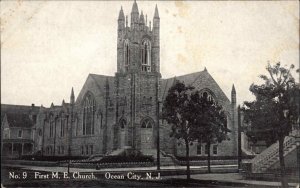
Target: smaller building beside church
{"x": 18, "y": 129}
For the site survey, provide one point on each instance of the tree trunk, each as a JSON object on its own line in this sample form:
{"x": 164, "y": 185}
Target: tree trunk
{"x": 187, "y": 149}
{"x": 282, "y": 165}
{"x": 208, "y": 157}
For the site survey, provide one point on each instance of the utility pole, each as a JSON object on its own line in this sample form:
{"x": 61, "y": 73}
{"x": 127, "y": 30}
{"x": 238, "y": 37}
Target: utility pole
{"x": 157, "y": 120}
{"x": 239, "y": 138}
{"x": 298, "y": 159}
{"x": 69, "y": 138}
{"x": 55, "y": 118}
{"x": 43, "y": 138}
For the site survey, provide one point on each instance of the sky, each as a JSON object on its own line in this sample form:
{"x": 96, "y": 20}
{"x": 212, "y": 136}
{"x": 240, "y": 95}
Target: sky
{"x": 48, "y": 47}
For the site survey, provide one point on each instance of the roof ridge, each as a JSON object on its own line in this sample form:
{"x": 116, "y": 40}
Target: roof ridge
{"x": 184, "y": 75}
{"x": 92, "y": 74}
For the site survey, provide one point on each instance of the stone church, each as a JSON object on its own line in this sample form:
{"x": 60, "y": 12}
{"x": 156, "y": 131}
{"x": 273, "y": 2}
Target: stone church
{"x": 121, "y": 111}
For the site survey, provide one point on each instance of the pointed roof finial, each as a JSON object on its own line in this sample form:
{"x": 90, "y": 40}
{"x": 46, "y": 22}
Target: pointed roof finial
{"x": 134, "y": 7}
{"x": 233, "y": 89}
{"x": 126, "y": 21}
{"x": 72, "y": 98}
{"x": 142, "y": 20}
{"x": 121, "y": 14}
{"x": 156, "y": 15}
{"x": 205, "y": 69}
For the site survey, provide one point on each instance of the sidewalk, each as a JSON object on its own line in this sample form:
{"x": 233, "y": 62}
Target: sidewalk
{"x": 232, "y": 178}
{"x": 153, "y": 168}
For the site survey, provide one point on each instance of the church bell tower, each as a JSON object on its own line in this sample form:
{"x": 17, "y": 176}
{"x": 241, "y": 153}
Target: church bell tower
{"x": 137, "y": 79}
{"x": 138, "y": 44}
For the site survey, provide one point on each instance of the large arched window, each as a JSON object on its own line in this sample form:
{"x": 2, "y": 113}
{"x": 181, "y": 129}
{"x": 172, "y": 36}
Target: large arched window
{"x": 89, "y": 108}
{"x": 126, "y": 54}
{"x": 147, "y": 123}
{"x": 146, "y": 56}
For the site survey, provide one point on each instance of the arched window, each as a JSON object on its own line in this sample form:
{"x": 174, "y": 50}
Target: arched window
{"x": 147, "y": 123}
{"x": 206, "y": 93}
{"x": 146, "y": 56}
{"x": 40, "y": 132}
{"x": 122, "y": 123}
{"x": 76, "y": 124}
{"x": 89, "y": 108}
{"x": 126, "y": 54}
{"x": 62, "y": 126}
{"x": 51, "y": 127}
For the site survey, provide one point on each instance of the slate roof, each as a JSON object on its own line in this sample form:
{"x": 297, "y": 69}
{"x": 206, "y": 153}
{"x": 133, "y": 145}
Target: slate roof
{"x": 19, "y": 120}
{"x": 100, "y": 83}
{"x": 199, "y": 80}
{"x": 17, "y": 109}
{"x": 101, "y": 80}
{"x": 188, "y": 79}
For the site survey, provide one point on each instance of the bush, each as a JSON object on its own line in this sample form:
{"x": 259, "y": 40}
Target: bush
{"x": 199, "y": 158}
{"x": 126, "y": 159}
{"x": 51, "y": 158}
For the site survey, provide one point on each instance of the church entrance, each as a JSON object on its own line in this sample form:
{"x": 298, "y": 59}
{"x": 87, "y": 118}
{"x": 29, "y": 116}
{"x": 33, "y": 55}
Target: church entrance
{"x": 146, "y": 134}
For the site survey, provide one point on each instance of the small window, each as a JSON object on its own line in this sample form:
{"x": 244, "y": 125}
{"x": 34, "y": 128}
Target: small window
{"x": 122, "y": 124}
{"x": 215, "y": 149}
{"x": 34, "y": 119}
{"x": 92, "y": 149}
{"x": 206, "y": 149}
{"x": 126, "y": 54}
{"x": 146, "y": 124}
{"x": 199, "y": 148}
{"x": 20, "y": 133}
{"x": 6, "y": 133}
{"x": 40, "y": 132}
{"x": 62, "y": 149}
{"x": 62, "y": 127}
{"x": 76, "y": 127}
{"x": 87, "y": 150}
{"x": 82, "y": 150}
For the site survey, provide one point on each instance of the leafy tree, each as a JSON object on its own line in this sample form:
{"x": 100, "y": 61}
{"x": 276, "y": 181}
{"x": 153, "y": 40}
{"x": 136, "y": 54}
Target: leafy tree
{"x": 209, "y": 120}
{"x": 176, "y": 112}
{"x": 194, "y": 117}
{"x": 271, "y": 116}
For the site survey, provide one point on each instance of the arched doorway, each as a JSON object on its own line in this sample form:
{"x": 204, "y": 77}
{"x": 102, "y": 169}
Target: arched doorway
{"x": 122, "y": 133}
{"x": 146, "y": 134}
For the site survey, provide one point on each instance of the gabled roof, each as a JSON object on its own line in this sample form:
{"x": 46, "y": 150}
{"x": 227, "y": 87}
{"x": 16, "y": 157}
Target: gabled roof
{"x": 199, "y": 80}
{"x": 19, "y": 120}
{"x": 17, "y": 109}
{"x": 100, "y": 81}
{"x": 188, "y": 79}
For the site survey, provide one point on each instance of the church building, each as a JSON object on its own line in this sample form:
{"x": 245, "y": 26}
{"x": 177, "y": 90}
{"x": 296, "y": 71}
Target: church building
{"x": 121, "y": 111}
